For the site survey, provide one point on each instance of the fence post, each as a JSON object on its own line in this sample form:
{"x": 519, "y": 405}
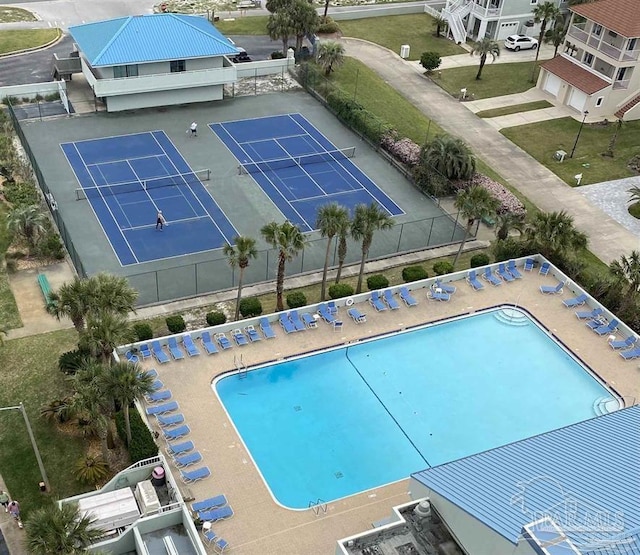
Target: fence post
{"x": 431, "y": 231}
{"x": 157, "y": 287}
{"x": 266, "y": 273}
{"x": 400, "y": 238}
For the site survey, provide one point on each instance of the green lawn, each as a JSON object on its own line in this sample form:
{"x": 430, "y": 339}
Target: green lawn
{"x": 416, "y": 30}
{"x": 518, "y": 108}
{"x": 29, "y": 374}
{"x": 9, "y": 316}
{"x": 13, "y": 41}
{"x": 497, "y": 79}
{"x": 11, "y": 15}
{"x": 541, "y": 140}
{"x": 244, "y": 25}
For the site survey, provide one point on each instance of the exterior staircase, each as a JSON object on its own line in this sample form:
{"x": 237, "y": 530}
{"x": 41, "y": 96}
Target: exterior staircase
{"x": 631, "y": 104}
{"x": 454, "y": 12}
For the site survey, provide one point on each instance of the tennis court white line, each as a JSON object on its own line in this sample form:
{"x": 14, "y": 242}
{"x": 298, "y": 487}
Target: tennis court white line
{"x": 115, "y": 198}
{"x": 149, "y": 226}
{"x": 271, "y": 139}
{"x": 127, "y": 161}
{"x": 302, "y": 167}
{"x": 115, "y": 137}
{"x": 186, "y": 184}
{"x": 143, "y": 188}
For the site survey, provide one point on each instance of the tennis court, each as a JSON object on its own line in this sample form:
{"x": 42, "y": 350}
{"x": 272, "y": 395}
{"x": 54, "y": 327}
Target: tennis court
{"x": 298, "y": 168}
{"x": 127, "y": 179}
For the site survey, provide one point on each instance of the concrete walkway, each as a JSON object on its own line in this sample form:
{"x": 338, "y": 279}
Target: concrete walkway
{"x": 608, "y": 239}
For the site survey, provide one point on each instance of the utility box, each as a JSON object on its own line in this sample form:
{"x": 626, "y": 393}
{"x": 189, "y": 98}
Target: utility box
{"x": 404, "y": 51}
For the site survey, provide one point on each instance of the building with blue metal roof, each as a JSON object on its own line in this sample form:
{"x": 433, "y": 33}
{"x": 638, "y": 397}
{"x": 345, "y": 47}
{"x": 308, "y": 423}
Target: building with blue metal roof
{"x": 575, "y": 490}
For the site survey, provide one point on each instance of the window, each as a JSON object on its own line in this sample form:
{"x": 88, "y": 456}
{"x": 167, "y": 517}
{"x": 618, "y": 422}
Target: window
{"x": 631, "y": 44}
{"x": 597, "y": 30}
{"x": 588, "y": 58}
{"x": 125, "y": 71}
{"x": 623, "y": 73}
{"x": 177, "y": 66}
{"x": 599, "y": 101}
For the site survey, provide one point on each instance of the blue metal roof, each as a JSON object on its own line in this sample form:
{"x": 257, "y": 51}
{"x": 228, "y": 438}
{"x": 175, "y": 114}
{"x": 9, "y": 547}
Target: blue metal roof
{"x": 585, "y": 477}
{"x": 149, "y": 38}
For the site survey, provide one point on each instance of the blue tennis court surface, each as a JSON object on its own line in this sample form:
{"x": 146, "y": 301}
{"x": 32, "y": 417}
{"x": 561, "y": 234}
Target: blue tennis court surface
{"x": 298, "y": 167}
{"x": 127, "y": 179}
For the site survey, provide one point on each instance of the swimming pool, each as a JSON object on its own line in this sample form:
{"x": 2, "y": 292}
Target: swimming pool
{"x": 353, "y": 418}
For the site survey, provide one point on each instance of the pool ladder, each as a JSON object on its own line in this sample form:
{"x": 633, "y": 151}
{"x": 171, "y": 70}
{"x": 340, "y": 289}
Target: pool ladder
{"x": 319, "y": 506}
{"x": 241, "y": 367}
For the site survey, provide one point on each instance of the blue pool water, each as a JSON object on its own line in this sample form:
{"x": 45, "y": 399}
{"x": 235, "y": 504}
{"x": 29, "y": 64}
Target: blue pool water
{"x": 347, "y": 420}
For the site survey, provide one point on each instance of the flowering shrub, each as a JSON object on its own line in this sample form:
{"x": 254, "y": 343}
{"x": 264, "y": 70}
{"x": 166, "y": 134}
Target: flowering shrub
{"x": 404, "y": 150}
{"x": 509, "y": 203}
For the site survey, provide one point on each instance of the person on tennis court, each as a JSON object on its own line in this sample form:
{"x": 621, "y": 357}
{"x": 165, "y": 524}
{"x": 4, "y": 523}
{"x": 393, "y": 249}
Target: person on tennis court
{"x": 194, "y": 129}
{"x": 160, "y": 221}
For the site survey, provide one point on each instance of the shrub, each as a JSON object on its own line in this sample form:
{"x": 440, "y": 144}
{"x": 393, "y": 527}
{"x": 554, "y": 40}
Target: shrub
{"x": 50, "y": 246}
{"x": 430, "y": 61}
{"x": 277, "y": 55}
{"x": 480, "y": 259}
{"x": 405, "y": 150}
{"x": 509, "y": 203}
{"x": 377, "y": 281}
{"x": 71, "y": 361}
{"x": 250, "y": 307}
{"x": 506, "y": 250}
{"x": 21, "y": 194}
{"x": 143, "y": 331}
{"x": 340, "y": 290}
{"x": 442, "y": 267}
{"x": 414, "y": 273}
{"x": 296, "y": 299}
{"x": 51, "y": 97}
{"x": 354, "y": 115}
{"x": 216, "y": 318}
{"x": 142, "y": 445}
{"x": 175, "y": 323}
{"x": 328, "y": 26}
{"x": 430, "y": 182}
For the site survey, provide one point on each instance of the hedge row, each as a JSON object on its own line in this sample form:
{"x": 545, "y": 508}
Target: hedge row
{"x": 143, "y": 446}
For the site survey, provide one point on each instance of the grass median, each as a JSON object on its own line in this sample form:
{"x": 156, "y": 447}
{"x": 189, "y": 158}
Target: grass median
{"x": 24, "y": 39}
{"x": 517, "y": 109}
{"x": 13, "y": 15}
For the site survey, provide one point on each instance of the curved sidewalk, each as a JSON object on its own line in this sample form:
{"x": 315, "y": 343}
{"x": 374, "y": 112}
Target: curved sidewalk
{"x": 607, "y": 238}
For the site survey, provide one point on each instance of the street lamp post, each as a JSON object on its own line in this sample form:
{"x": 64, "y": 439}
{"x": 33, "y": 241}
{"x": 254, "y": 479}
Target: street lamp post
{"x": 575, "y": 144}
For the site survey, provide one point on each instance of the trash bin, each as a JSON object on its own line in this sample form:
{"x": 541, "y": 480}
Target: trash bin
{"x": 404, "y": 51}
{"x": 157, "y": 476}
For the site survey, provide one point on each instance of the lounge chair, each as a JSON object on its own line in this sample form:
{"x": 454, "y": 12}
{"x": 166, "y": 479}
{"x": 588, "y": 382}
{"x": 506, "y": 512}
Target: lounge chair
{"x": 191, "y": 476}
{"x": 187, "y": 460}
{"x": 332, "y": 307}
{"x": 266, "y": 328}
{"x": 208, "y": 343}
{"x": 596, "y": 323}
{"x": 337, "y": 325}
{"x": 239, "y": 337}
{"x": 511, "y": 268}
{"x": 151, "y": 372}
{"x": 179, "y": 448}
{"x": 390, "y": 300}
{"x": 158, "y": 353}
{"x": 176, "y": 352}
{"x": 157, "y": 384}
{"x": 220, "y": 544}
{"x": 472, "y": 279}
{"x": 503, "y": 273}
{"x": 215, "y": 515}
{"x": 487, "y": 275}
{"x": 295, "y": 320}
{"x": 161, "y": 409}
{"x": 552, "y": 289}
{"x": 286, "y": 324}
{"x": 376, "y": 301}
{"x": 446, "y": 287}
{"x": 438, "y": 295}
{"x": 223, "y": 341}
{"x": 210, "y": 503}
{"x": 170, "y": 420}
{"x": 589, "y": 314}
{"x": 158, "y": 396}
{"x": 176, "y": 433}
{"x": 632, "y": 353}
{"x": 544, "y": 269}
{"x": 357, "y": 316}
{"x": 133, "y": 359}
{"x": 145, "y": 352}
{"x": 529, "y": 263}
{"x": 624, "y": 343}
{"x": 407, "y": 298}
{"x": 189, "y": 345}
{"x": 608, "y": 328}
{"x": 208, "y": 533}
{"x": 252, "y": 333}
{"x": 325, "y": 314}
{"x": 575, "y": 301}
{"x": 309, "y": 320}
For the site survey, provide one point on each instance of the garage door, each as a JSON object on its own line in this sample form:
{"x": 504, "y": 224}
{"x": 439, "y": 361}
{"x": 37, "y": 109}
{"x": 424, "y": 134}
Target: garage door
{"x": 552, "y": 84}
{"x": 507, "y": 29}
{"x": 577, "y": 99}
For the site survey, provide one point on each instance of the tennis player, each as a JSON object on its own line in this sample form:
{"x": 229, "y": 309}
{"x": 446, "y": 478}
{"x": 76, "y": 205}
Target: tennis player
{"x": 160, "y": 221}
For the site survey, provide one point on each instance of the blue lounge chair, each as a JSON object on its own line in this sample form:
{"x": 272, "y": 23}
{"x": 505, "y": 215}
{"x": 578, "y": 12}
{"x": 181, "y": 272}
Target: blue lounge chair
{"x": 170, "y": 420}
{"x": 295, "y": 320}
{"x": 333, "y": 308}
{"x": 176, "y": 433}
{"x": 161, "y": 409}
{"x": 191, "y": 476}
{"x": 208, "y": 533}
{"x": 175, "y": 351}
{"x": 158, "y": 353}
{"x": 216, "y": 514}
{"x": 133, "y": 359}
{"x": 151, "y": 372}
{"x": 208, "y": 343}
{"x": 157, "y": 385}
{"x": 472, "y": 279}
{"x": 407, "y": 298}
{"x": 438, "y": 295}
{"x": 252, "y": 333}
{"x": 503, "y": 273}
{"x": 239, "y": 337}
{"x": 376, "y": 301}
{"x": 390, "y": 300}
{"x": 608, "y": 328}
{"x": 511, "y": 268}
{"x": 325, "y": 314}
{"x": 189, "y": 345}
{"x": 223, "y": 341}
{"x": 446, "y": 287}
{"x": 286, "y": 324}
{"x": 220, "y": 545}
{"x": 552, "y": 289}
{"x": 179, "y": 448}
{"x": 575, "y": 301}
{"x": 309, "y": 320}
{"x": 529, "y": 263}
{"x": 210, "y": 503}
{"x": 144, "y": 351}
{"x": 266, "y": 328}
{"x": 158, "y": 396}
{"x": 624, "y": 343}
{"x": 544, "y": 269}
{"x": 187, "y": 460}
{"x": 632, "y": 353}
{"x": 589, "y": 314}
{"x": 357, "y": 316}
{"x": 596, "y": 323}
{"x": 487, "y": 275}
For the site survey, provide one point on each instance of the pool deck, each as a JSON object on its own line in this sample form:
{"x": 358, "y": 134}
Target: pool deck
{"x": 261, "y": 526}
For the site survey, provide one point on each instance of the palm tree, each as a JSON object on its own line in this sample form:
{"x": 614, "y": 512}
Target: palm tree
{"x": 28, "y": 223}
{"x": 73, "y": 301}
{"x": 368, "y": 219}
{"x": 450, "y": 157}
{"x": 331, "y": 219}
{"x": 627, "y": 270}
{"x": 440, "y": 23}
{"x": 104, "y": 334}
{"x": 289, "y": 241}
{"x": 543, "y": 14}
{"x": 553, "y": 233}
{"x": 474, "y": 204}
{"x": 556, "y": 34}
{"x": 239, "y": 254}
{"x": 330, "y": 55}
{"x": 343, "y": 234}
{"x": 305, "y": 21}
{"x": 506, "y": 222}
{"x": 635, "y": 194}
{"x": 91, "y": 470}
{"x": 279, "y": 28}
{"x": 53, "y": 529}
{"x": 483, "y": 48}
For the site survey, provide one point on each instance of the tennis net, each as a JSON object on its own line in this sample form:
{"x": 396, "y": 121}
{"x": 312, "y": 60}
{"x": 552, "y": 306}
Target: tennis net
{"x": 279, "y": 163}
{"x": 177, "y": 180}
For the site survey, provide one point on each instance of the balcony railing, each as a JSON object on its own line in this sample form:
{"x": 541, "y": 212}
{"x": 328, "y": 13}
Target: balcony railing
{"x": 621, "y": 84}
{"x": 480, "y": 11}
{"x": 610, "y": 50}
{"x": 578, "y": 34}
{"x": 630, "y": 55}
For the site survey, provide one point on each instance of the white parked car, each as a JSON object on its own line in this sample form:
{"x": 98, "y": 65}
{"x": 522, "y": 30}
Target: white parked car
{"x": 520, "y": 42}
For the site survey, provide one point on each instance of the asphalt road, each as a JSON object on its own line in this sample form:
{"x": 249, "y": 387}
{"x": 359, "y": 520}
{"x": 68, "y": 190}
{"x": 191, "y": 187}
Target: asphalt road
{"x": 32, "y": 67}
